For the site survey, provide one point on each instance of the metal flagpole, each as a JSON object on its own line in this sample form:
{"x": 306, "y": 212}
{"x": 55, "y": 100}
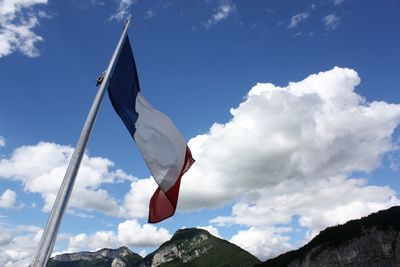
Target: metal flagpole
{"x": 50, "y": 233}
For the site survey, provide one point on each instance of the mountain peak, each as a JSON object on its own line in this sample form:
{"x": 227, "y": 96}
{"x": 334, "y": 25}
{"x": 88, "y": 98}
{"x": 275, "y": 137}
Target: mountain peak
{"x": 197, "y": 247}
{"x": 188, "y": 233}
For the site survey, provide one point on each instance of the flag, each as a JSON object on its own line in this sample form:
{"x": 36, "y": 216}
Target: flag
{"x": 162, "y": 146}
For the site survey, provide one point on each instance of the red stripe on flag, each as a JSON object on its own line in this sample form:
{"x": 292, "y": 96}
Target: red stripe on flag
{"x": 163, "y": 204}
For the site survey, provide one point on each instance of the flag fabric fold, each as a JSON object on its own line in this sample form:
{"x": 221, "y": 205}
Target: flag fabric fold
{"x": 162, "y": 146}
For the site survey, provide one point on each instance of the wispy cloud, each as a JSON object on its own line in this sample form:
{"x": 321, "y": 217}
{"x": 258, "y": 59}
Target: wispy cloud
{"x": 17, "y": 21}
{"x": 297, "y": 34}
{"x": 163, "y": 4}
{"x": 149, "y": 14}
{"x": 337, "y": 2}
{"x": 224, "y": 10}
{"x": 331, "y": 21}
{"x": 122, "y": 10}
{"x": 2, "y": 141}
{"x": 394, "y": 158}
{"x": 91, "y": 3}
{"x": 296, "y": 19}
{"x": 166, "y": 3}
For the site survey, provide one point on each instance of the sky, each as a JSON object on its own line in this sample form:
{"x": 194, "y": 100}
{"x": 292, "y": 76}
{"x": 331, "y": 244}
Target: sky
{"x": 291, "y": 110}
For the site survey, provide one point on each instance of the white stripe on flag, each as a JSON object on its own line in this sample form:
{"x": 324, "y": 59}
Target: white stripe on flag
{"x": 160, "y": 143}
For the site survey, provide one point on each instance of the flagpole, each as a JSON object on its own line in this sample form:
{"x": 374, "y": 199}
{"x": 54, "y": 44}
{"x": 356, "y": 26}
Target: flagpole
{"x": 50, "y": 232}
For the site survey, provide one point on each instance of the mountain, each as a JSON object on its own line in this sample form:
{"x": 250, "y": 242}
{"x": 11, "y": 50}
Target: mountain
{"x": 367, "y": 242}
{"x": 120, "y": 257}
{"x": 187, "y": 247}
{"x": 197, "y": 247}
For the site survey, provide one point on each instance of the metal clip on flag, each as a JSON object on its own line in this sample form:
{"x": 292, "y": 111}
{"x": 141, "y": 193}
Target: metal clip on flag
{"x": 160, "y": 143}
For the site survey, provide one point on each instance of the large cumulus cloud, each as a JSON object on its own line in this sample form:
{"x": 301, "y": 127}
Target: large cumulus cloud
{"x": 291, "y": 152}
{"x": 314, "y": 129}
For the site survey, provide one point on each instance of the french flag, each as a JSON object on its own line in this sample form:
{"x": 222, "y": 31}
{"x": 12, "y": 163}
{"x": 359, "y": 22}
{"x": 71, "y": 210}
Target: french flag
{"x": 162, "y": 146}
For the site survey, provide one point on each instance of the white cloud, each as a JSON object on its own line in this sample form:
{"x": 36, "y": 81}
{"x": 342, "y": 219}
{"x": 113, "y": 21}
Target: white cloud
{"x": 122, "y": 10}
{"x": 296, "y": 19}
{"x": 319, "y": 203}
{"x": 17, "y": 21}
{"x": 2, "y": 141}
{"x": 361, "y": 201}
{"x": 264, "y": 243}
{"x": 131, "y": 233}
{"x": 331, "y": 21}
{"x": 136, "y": 202}
{"x": 316, "y": 204}
{"x": 41, "y": 168}
{"x": 224, "y": 10}
{"x": 7, "y": 199}
{"x": 99, "y": 240}
{"x": 18, "y": 245}
{"x": 313, "y": 129}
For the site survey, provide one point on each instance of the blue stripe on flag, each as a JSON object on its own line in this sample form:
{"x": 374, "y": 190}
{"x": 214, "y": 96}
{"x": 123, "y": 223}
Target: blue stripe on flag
{"x": 124, "y": 87}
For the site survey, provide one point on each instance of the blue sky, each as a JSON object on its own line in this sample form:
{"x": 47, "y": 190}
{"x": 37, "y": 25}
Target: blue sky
{"x": 285, "y": 142}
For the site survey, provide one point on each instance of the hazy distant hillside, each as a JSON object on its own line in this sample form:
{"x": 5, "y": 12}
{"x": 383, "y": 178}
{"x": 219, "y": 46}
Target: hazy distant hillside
{"x": 371, "y": 241}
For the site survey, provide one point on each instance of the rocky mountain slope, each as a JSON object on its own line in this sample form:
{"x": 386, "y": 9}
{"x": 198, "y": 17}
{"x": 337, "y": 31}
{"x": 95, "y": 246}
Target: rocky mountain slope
{"x": 368, "y": 242}
{"x": 197, "y": 247}
{"x": 187, "y": 247}
{"x": 121, "y": 257}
